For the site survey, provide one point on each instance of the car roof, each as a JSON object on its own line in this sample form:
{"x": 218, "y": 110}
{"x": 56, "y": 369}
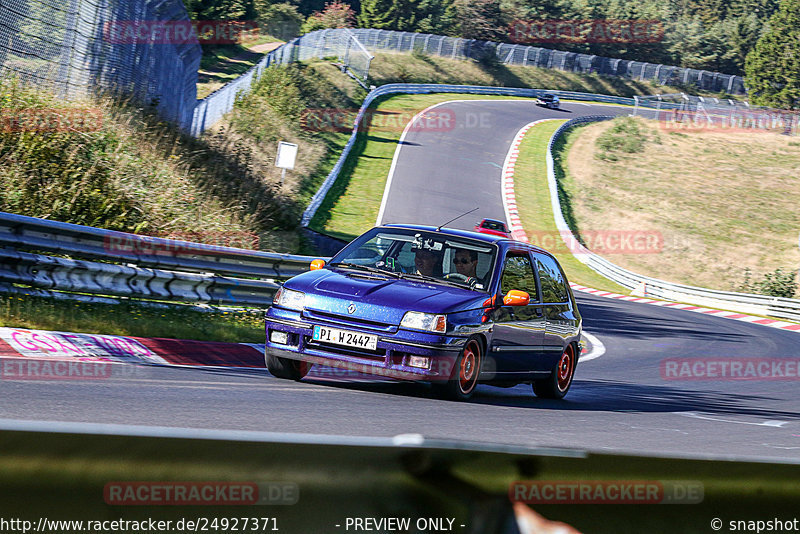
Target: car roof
{"x": 509, "y": 243}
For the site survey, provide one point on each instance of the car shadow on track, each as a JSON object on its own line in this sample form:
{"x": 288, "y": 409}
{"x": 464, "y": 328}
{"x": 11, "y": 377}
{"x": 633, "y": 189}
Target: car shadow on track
{"x": 587, "y": 395}
{"x": 622, "y": 397}
{"x": 649, "y": 322}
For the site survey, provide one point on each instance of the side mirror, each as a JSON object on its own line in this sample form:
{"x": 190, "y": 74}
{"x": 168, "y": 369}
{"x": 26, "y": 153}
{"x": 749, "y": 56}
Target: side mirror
{"x": 317, "y": 264}
{"x": 516, "y": 297}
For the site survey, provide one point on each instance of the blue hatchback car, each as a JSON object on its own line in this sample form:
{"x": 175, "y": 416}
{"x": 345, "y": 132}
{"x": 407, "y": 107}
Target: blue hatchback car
{"x": 451, "y": 307}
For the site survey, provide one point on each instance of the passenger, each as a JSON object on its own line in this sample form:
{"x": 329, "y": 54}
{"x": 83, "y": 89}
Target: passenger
{"x": 425, "y": 262}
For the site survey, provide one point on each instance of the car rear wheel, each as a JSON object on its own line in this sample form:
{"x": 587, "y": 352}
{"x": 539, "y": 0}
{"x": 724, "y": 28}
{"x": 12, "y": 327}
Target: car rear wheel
{"x": 557, "y": 384}
{"x": 464, "y": 378}
{"x": 286, "y": 368}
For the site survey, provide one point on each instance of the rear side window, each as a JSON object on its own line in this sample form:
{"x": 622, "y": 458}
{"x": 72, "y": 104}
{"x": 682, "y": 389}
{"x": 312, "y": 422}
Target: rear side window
{"x": 553, "y": 287}
{"x": 518, "y": 274}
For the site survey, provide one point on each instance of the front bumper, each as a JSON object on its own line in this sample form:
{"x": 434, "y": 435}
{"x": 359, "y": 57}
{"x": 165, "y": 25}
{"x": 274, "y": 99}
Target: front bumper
{"x": 390, "y": 359}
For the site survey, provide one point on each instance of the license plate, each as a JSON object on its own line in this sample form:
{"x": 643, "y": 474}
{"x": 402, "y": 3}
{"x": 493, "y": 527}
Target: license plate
{"x": 345, "y": 338}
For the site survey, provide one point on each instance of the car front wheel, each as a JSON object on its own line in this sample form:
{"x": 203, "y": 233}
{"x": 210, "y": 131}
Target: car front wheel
{"x": 286, "y": 368}
{"x": 464, "y": 378}
{"x": 557, "y": 384}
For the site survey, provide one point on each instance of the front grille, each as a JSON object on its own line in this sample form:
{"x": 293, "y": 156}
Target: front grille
{"x": 349, "y": 320}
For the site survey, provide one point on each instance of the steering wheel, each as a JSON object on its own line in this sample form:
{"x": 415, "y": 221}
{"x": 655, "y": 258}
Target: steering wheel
{"x": 464, "y": 278}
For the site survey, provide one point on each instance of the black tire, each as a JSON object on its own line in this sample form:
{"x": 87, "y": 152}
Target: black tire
{"x": 467, "y": 369}
{"x": 286, "y": 368}
{"x": 558, "y": 383}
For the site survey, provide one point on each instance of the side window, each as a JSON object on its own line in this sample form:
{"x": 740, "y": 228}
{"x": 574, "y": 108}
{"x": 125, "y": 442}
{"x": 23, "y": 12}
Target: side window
{"x": 553, "y": 287}
{"x": 518, "y": 274}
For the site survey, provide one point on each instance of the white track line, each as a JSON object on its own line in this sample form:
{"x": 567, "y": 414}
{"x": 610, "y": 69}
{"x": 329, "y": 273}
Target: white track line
{"x": 598, "y": 348}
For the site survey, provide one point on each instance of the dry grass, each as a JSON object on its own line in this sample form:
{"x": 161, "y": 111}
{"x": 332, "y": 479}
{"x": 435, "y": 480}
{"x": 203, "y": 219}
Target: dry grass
{"x": 723, "y": 201}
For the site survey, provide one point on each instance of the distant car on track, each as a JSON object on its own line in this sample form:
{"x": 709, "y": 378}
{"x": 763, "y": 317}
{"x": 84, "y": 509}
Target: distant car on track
{"x": 548, "y": 100}
{"x": 451, "y": 307}
{"x": 492, "y": 227}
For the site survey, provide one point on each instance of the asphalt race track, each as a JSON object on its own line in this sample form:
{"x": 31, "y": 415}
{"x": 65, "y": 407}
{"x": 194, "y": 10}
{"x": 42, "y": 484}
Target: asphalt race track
{"x": 619, "y": 402}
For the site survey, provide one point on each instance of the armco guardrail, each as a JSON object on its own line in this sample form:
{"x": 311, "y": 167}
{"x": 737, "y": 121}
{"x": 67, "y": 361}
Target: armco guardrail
{"x": 757, "y": 304}
{"x": 141, "y": 267}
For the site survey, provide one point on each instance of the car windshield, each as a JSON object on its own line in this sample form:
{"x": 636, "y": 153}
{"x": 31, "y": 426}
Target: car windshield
{"x": 421, "y": 255}
{"x": 494, "y": 225}
{"x": 548, "y": 97}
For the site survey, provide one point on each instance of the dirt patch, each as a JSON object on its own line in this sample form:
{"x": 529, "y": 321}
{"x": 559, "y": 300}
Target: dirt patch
{"x": 721, "y": 201}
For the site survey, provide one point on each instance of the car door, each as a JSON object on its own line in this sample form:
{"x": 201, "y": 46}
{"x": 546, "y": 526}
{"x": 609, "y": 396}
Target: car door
{"x": 561, "y": 319}
{"x": 518, "y": 331}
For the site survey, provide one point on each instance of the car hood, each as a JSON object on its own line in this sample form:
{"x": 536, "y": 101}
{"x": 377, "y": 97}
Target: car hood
{"x": 374, "y": 299}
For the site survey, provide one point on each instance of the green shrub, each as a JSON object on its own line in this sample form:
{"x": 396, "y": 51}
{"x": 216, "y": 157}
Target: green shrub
{"x": 627, "y": 135}
{"x": 779, "y": 283}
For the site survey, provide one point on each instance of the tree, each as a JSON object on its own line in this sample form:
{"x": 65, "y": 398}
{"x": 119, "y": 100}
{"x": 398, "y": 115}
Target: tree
{"x": 480, "y": 19}
{"x": 431, "y": 16}
{"x": 279, "y": 20}
{"x": 219, "y": 9}
{"x": 380, "y": 14}
{"x": 772, "y": 68}
{"x": 335, "y": 15}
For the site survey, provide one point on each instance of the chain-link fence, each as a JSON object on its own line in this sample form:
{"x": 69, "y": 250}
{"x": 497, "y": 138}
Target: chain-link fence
{"x": 510, "y": 54}
{"x": 66, "y": 46}
{"x": 340, "y": 43}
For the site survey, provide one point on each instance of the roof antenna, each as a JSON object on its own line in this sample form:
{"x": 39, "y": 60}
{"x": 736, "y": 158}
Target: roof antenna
{"x": 451, "y": 220}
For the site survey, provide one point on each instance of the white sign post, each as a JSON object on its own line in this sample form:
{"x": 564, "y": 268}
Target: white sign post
{"x": 287, "y": 154}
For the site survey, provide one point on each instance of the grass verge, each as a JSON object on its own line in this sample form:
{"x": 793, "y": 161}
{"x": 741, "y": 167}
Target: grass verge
{"x": 130, "y": 319}
{"x": 723, "y": 203}
{"x": 535, "y": 211}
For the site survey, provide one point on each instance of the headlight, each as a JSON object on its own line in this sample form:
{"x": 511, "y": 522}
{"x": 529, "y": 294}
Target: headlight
{"x": 424, "y": 321}
{"x": 288, "y": 298}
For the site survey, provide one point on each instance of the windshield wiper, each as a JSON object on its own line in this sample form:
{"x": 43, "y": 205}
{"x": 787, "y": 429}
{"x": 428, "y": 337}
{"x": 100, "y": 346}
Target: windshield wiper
{"x": 367, "y": 268}
{"x": 433, "y": 279}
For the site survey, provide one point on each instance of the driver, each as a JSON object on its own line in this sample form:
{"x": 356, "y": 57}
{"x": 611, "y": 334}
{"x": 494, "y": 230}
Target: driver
{"x": 466, "y": 262}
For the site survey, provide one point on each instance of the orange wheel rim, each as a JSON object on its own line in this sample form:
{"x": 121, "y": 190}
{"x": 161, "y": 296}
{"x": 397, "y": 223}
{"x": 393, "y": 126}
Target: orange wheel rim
{"x": 469, "y": 368}
{"x": 564, "y": 370}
